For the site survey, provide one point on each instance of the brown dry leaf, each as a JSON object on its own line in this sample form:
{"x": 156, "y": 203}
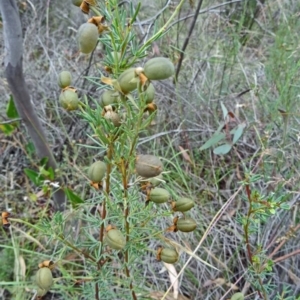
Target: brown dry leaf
{"x": 107, "y": 80}
{"x": 219, "y": 281}
{"x": 231, "y": 114}
{"x": 143, "y": 79}
{"x": 69, "y": 88}
{"x": 232, "y": 286}
{"x": 155, "y": 50}
{"x": 85, "y": 8}
{"x": 185, "y": 155}
{"x": 99, "y": 21}
{"x": 40, "y": 194}
{"x": 102, "y": 28}
{"x": 208, "y": 283}
{"x": 96, "y": 20}
{"x": 91, "y": 2}
{"x": 229, "y": 215}
{"x": 171, "y": 228}
{"x": 151, "y": 107}
{"x": 159, "y": 294}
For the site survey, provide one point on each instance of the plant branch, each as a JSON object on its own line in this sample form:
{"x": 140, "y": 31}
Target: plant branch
{"x": 186, "y": 42}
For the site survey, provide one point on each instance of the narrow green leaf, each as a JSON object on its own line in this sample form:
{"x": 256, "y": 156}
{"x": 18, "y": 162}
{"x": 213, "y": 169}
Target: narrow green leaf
{"x": 43, "y": 171}
{"x": 44, "y": 161}
{"x": 51, "y": 173}
{"x": 224, "y": 110}
{"x": 221, "y": 126}
{"x": 285, "y": 206}
{"x": 136, "y": 12}
{"x": 11, "y": 110}
{"x": 237, "y": 132}
{"x": 102, "y": 136}
{"x": 7, "y": 129}
{"x": 75, "y": 200}
{"x": 213, "y": 141}
{"x": 30, "y": 148}
{"x": 33, "y": 176}
{"x": 223, "y": 149}
{"x": 131, "y": 99}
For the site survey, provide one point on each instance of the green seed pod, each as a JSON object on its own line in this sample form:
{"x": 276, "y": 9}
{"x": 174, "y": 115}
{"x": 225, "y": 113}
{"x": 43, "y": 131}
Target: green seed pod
{"x": 40, "y": 292}
{"x": 115, "y": 239}
{"x": 77, "y": 2}
{"x": 237, "y": 296}
{"x": 186, "y": 224}
{"x": 159, "y": 195}
{"x": 127, "y": 81}
{"x": 97, "y": 171}
{"x": 169, "y": 256}
{"x": 159, "y": 68}
{"x": 69, "y": 100}
{"x": 150, "y": 93}
{"x": 155, "y": 181}
{"x": 113, "y": 117}
{"x": 64, "y": 79}
{"x": 87, "y": 37}
{"x": 183, "y": 204}
{"x": 44, "y": 279}
{"x": 109, "y": 97}
{"x": 148, "y": 166}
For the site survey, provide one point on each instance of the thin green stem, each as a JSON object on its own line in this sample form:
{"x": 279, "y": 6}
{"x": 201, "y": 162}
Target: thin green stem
{"x": 246, "y": 230}
{"x": 163, "y": 29}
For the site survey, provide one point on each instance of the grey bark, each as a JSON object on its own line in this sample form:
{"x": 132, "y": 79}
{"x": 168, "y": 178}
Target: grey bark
{"x": 13, "y": 42}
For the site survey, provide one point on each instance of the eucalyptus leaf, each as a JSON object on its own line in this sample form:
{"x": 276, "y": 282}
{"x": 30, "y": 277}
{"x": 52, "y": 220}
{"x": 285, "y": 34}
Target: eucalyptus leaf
{"x": 213, "y": 140}
{"x": 237, "y": 132}
{"x": 223, "y": 149}
{"x": 224, "y": 110}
